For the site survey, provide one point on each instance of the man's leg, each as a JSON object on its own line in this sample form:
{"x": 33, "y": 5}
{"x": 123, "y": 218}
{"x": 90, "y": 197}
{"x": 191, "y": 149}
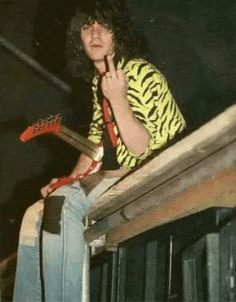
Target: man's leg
{"x": 63, "y": 243}
{"x": 28, "y": 282}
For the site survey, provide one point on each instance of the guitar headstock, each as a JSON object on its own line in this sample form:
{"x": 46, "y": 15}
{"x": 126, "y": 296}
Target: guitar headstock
{"x": 50, "y": 125}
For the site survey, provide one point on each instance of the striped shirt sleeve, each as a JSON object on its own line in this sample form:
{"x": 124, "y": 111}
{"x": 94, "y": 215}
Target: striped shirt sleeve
{"x": 153, "y": 104}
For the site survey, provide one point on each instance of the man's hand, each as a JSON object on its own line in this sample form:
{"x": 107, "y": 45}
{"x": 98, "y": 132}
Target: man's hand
{"x": 56, "y": 183}
{"x": 45, "y": 191}
{"x": 115, "y": 87}
{"x": 84, "y": 167}
{"x": 114, "y": 83}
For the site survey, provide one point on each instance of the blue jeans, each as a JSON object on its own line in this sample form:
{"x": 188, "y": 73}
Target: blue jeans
{"x": 49, "y": 267}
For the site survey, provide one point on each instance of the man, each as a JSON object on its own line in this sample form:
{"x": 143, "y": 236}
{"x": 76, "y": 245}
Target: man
{"x": 143, "y": 118}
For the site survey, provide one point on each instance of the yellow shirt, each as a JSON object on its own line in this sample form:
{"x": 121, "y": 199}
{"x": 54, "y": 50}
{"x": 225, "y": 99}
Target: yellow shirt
{"x": 151, "y": 102}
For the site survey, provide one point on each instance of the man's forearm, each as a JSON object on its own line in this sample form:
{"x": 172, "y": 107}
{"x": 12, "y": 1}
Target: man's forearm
{"x": 134, "y": 135}
{"x": 82, "y": 165}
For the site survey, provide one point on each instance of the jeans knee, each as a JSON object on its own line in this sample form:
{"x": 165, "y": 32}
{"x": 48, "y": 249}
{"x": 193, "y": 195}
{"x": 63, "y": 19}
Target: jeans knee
{"x": 66, "y": 203}
{"x": 76, "y": 204}
{"x": 31, "y": 224}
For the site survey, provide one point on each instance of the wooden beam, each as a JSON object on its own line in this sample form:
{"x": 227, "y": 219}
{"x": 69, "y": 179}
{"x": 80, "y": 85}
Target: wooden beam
{"x": 219, "y": 192}
{"x": 98, "y": 183}
{"x": 221, "y": 161}
{"x": 191, "y": 150}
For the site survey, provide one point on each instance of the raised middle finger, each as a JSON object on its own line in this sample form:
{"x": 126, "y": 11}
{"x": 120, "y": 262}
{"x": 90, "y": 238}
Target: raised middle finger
{"x": 111, "y": 66}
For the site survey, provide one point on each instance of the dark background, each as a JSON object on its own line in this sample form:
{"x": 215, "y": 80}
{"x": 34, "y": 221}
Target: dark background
{"x": 192, "y": 42}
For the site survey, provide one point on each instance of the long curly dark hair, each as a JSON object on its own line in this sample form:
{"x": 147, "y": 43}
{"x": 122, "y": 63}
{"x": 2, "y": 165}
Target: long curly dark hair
{"x": 129, "y": 42}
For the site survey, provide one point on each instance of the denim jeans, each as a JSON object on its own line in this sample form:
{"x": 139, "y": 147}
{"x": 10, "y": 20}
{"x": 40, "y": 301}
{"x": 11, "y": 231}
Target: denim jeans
{"x": 51, "y": 248}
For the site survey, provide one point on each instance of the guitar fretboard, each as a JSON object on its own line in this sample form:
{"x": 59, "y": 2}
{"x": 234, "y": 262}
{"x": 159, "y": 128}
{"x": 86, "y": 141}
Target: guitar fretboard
{"x": 81, "y": 143}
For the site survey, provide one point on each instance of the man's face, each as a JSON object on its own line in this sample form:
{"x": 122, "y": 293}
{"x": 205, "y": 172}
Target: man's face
{"x": 97, "y": 41}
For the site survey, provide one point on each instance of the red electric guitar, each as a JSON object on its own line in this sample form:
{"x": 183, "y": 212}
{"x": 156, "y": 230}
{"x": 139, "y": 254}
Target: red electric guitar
{"x": 52, "y": 125}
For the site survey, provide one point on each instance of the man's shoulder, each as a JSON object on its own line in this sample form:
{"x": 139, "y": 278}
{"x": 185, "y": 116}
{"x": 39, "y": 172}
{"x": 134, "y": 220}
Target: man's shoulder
{"x": 140, "y": 67}
{"x": 134, "y": 64}
{"x": 140, "y": 70}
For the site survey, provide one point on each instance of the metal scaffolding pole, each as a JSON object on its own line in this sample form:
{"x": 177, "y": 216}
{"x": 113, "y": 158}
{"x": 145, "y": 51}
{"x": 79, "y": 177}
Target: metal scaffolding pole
{"x": 34, "y": 64}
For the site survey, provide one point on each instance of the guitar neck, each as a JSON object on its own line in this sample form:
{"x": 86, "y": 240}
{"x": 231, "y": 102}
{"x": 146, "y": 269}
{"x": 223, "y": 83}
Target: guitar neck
{"x": 81, "y": 143}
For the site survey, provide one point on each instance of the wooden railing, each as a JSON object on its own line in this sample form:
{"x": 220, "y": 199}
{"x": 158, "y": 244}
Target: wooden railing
{"x": 194, "y": 174}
